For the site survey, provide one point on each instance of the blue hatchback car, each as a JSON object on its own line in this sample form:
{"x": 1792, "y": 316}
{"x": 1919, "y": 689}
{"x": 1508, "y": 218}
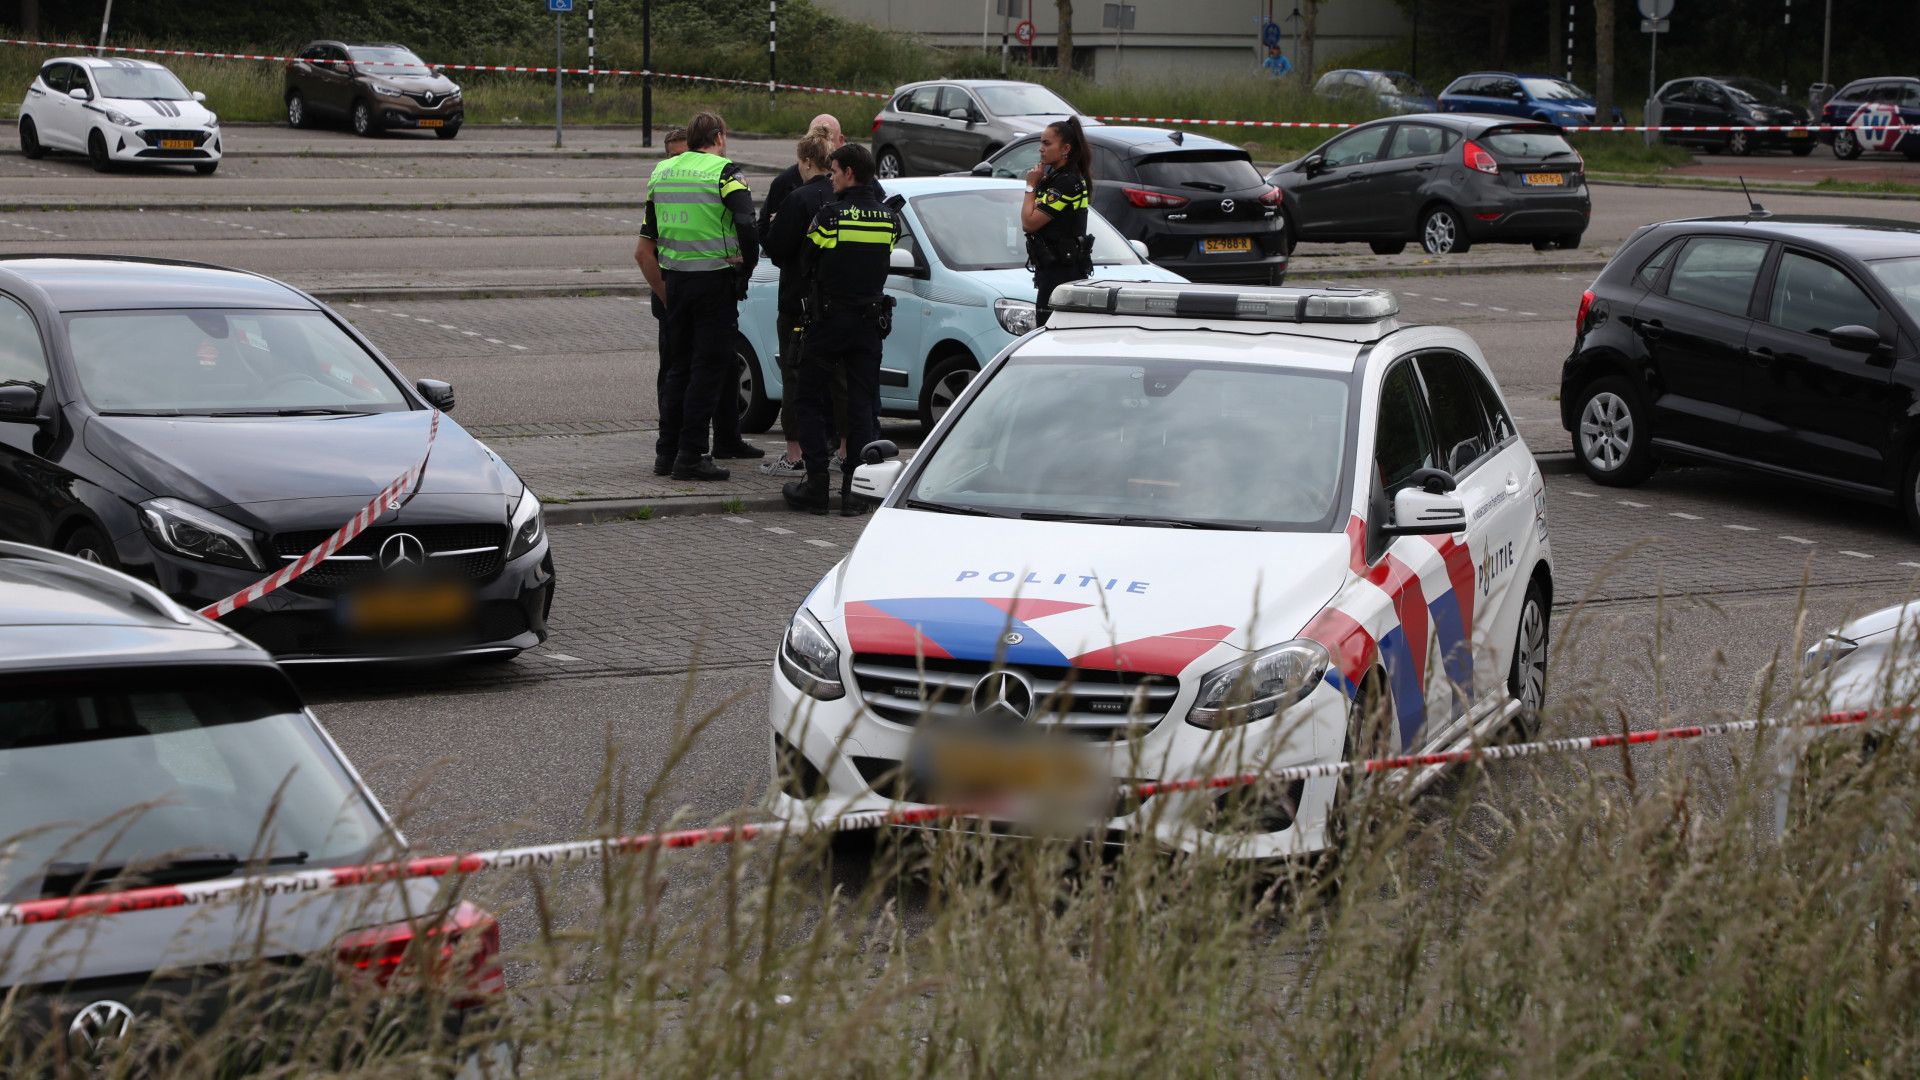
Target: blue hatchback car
{"x": 961, "y": 291}
{"x": 1544, "y": 98}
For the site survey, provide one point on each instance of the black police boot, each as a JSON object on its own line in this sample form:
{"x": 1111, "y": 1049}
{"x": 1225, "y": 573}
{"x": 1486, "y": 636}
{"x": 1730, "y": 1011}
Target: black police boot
{"x": 662, "y": 464}
{"x": 739, "y": 449}
{"x": 809, "y": 495}
{"x": 851, "y": 505}
{"x": 692, "y": 465}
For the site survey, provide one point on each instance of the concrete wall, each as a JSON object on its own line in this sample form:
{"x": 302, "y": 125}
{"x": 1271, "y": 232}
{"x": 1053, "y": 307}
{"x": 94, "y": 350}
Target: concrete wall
{"x": 1171, "y": 37}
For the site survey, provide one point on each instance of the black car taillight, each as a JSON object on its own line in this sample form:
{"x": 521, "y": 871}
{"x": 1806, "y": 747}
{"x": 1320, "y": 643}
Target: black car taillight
{"x": 1153, "y": 200}
{"x": 1477, "y": 159}
{"x": 1272, "y": 197}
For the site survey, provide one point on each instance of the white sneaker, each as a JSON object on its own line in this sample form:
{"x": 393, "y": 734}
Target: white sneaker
{"x": 839, "y": 463}
{"x": 780, "y": 466}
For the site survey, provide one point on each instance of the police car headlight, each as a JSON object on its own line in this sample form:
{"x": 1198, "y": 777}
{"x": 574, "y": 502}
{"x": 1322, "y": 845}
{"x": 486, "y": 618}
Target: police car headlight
{"x": 1016, "y": 316}
{"x": 1259, "y": 686}
{"x": 1829, "y": 651}
{"x": 185, "y": 529}
{"x": 526, "y": 526}
{"x": 810, "y": 659}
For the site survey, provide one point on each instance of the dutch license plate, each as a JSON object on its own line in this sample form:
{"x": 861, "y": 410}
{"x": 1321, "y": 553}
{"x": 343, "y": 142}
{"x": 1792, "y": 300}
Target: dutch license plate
{"x": 386, "y": 609}
{"x": 176, "y": 144}
{"x": 1227, "y": 245}
{"x": 1544, "y": 179}
{"x": 973, "y": 767}
{"x": 433, "y": 123}
{"x": 1799, "y": 133}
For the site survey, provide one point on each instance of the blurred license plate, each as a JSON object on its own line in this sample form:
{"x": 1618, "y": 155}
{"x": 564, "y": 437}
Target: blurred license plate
{"x": 176, "y": 144}
{"x": 1799, "y": 133}
{"x": 433, "y": 123}
{"x": 426, "y": 606}
{"x": 1544, "y": 179}
{"x": 1226, "y": 245}
{"x": 975, "y": 766}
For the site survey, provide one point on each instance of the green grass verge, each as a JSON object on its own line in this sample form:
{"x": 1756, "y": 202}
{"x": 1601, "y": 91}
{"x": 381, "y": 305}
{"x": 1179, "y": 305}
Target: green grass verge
{"x": 1871, "y": 187}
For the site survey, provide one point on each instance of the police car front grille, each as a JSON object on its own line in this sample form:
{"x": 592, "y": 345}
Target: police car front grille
{"x": 469, "y": 552}
{"x": 1093, "y": 704}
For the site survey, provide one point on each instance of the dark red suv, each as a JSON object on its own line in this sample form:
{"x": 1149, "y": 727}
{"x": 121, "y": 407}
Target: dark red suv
{"x": 373, "y": 88}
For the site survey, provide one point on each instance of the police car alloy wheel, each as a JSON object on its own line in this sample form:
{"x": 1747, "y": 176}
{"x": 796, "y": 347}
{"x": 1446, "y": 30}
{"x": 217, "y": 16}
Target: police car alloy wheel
{"x": 1528, "y": 679}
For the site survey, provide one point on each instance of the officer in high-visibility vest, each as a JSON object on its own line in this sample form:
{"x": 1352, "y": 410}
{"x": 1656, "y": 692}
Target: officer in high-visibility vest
{"x": 701, "y": 215}
{"x": 848, "y": 314}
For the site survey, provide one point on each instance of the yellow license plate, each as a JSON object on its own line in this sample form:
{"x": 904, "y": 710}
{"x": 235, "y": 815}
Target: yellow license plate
{"x": 1226, "y": 245}
{"x": 176, "y": 144}
{"x": 391, "y": 608}
{"x": 1545, "y": 179}
{"x": 433, "y": 123}
{"x": 1797, "y": 133}
{"x": 974, "y": 767}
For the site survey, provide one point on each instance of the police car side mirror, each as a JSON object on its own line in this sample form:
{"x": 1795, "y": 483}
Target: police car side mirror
{"x": 880, "y": 470}
{"x": 1139, "y": 248}
{"x": 1420, "y": 512}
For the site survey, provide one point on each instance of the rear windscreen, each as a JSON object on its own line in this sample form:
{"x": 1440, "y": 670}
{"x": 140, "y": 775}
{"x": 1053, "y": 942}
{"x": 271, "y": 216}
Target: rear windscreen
{"x": 1202, "y": 170}
{"x": 1537, "y": 142}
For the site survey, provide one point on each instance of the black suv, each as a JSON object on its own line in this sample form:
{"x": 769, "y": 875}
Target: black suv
{"x": 1790, "y": 345}
{"x": 1198, "y": 204}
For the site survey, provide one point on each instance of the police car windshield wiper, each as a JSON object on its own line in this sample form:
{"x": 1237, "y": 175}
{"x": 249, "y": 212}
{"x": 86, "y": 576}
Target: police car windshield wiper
{"x": 1137, "y": 519}
{"x": 951, "y": 508}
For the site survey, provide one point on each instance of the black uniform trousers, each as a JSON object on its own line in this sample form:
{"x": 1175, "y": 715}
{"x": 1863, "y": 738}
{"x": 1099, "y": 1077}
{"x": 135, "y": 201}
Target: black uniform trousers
{"x": 839, "y": 344}
{"x": 1044, "y": 282}
{"x": 726, "y": 405}
{"x": 698, "y": 357}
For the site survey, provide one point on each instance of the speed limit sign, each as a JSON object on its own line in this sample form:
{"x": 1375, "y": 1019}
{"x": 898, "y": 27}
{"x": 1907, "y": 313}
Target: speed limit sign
{"x": 1024, "y": 32}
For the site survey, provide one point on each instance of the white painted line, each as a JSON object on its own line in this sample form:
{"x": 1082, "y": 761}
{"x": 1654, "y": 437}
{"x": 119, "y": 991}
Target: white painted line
{"x": 1581, "y": 494}
{"x": 561, "y": 656}
{"x": 1490, "y": 307}
{"x": 471, "y": 333}
{"x": 522, "y": 348}
{"x": 1856, "y": 554}
{"x": 1915, "y": 565}
{"x": 1740, "y": 528}
{"x": 495, "y": 341}
{"x": 737, "y": 519}
{"x": 1684, "y": 517}
{"x": 1468, "y": 303}
{"x": 1635, "y": 505}
{"x": 444, "y": 326}
{"x": 1795, "y": 539}
{"x": 821, "y": 543}
{"x": 777, "y": 531}
{"x": 1529, "y": 314}
{"x": 399, "y": 314}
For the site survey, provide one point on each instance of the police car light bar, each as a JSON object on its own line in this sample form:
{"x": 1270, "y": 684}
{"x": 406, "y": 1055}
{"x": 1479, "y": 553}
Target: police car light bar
{"x": 1253, "y": 302}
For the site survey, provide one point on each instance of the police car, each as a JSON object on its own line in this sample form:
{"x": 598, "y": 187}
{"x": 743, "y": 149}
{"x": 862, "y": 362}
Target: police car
{"x": 1182, "y": 531}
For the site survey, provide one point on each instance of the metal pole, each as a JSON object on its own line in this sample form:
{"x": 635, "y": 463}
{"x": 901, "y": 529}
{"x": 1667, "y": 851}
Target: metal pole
{"x": 1571, "y": 12}
{"x": 104, "y": 17}
{"x": 1413, "y": 47}
{"x": 646, "y": 72}
{"x": 773, "y": 41}
{"x": 1006, "y": 27}
{"x": 1786, "y": 45}
{"x": 558, "y": 99}
{"x": 1826, "y": 42}
{"x": 589, "y": 49}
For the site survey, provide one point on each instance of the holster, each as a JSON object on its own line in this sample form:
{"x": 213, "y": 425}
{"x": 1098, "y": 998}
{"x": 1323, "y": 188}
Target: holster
{"x": 1074, "y": 252}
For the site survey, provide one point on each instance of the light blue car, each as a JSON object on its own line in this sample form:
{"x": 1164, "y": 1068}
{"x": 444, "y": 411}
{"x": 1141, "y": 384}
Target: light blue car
{"x": 961, "y": 288}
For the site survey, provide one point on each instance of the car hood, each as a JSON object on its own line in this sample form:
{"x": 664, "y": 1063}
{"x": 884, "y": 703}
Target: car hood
{"x": 1152, "y": 600}
{"x": 154, "y": 112}
{"x": 217, "y": 462}
{"x": 415, "y": 84}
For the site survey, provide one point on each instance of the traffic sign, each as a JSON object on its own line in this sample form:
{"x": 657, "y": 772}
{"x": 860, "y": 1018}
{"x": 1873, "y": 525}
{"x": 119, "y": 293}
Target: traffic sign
{"x": 1655, "y": 26}
{"x": 1270, "y": 34}
{"x": 1656, "y": 10}
{"x": 559, "y": 5}
{"x": 1022, "y": 33}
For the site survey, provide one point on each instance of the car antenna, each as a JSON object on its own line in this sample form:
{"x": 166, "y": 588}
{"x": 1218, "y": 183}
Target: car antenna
{"x": 1753, "y": 208}
{"x": 1179, "y": 138}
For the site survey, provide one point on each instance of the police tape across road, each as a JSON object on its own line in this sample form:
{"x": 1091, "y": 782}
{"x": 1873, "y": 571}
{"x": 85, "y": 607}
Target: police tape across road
{"x": 304, "y": 882}
{"x": 392, "y": 497}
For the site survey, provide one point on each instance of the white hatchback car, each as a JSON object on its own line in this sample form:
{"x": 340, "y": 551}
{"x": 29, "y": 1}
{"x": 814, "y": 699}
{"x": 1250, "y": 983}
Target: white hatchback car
{"x": 1184, "y": 530}
{"x": 116, "y": 110}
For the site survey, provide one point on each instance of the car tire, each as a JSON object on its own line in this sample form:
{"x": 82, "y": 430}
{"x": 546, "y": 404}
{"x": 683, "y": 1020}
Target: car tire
{"x": 1369, "y": 723}
{"x": 1568, "y": 241}
{"x": 1845, "y": 146}
{"x": 1713, "y": 149}
{"x": 1802, "y": 150}
{"x": 1740, "y": 143}
{"x": 888, "y": 164}
{"x": 1611, "y": 437}
{"x": 363, "y": 123}
{"x": 1527, "y": 675}
{"x": 207, "y": 168}
{"x": 297, "y": 111}
{"x": 451, "y": 131}
{"x": 1388, "y": 247}
{"x": 97, "y": 152}
{"x": 757, "y": 411}
{"x": 89, "y": 543}
{"x": 1443, "y": 231}
{"x": 947, "y": 377}
{"x": 1910, "y": 502}
{"x": 30, "y": 145}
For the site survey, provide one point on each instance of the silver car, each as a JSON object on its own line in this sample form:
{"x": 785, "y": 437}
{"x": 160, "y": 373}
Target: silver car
{"x": 946, "y": 125}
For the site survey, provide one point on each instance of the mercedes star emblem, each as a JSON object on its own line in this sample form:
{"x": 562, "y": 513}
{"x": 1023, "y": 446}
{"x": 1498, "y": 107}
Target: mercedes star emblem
{"x": 402, "y": 549}
{"x": 1004, "y": 696}
{"x": 98, "y": 1024}
{"x": 1226, "y": 206}
{"x": 1013, "y": 637}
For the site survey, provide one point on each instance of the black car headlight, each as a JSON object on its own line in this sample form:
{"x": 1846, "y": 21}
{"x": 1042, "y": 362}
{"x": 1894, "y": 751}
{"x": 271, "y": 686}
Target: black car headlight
{"x": 810, "y": 659}
{"x": 1260, "y": 685}
{"x": 185, "y": 529}
{"x": 526, "y": 526}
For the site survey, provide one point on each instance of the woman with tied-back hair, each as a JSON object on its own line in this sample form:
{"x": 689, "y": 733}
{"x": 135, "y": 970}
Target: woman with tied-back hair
{"x": 1054, "y": 212}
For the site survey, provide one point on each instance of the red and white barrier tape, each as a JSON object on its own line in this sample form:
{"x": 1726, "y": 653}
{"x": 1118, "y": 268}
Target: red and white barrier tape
{"x": 303, "y": 882}
{"x": 390, "y": 498}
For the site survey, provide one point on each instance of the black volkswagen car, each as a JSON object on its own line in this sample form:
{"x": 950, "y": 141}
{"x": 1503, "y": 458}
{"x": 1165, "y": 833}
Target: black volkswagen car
{"x": 1445, "y": 181}
{"x": 1785, "y": 344}
{"x": 201, "y": 428}
{"x": 1736, "y": 102}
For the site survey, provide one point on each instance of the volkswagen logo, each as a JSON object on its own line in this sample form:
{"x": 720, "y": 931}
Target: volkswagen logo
{"x": 1226, "y": 206}
{"x": 1003, "y": 696}
{"x": 402, "y": 550}
{"x": 98, "y": 1024}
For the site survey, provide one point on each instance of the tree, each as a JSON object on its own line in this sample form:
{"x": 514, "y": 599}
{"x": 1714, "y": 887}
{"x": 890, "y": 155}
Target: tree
{"x": 1603, "y": 61}
{"x": 1065, "y": 38}
{"x": 1309, "y": 24}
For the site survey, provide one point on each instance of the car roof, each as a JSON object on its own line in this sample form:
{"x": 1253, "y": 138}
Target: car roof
{"x": 1863, "y": 238}
{"x": 1467, "y": 122}
{"x": 120, "y": 283}
{"x": 105, "y": 62}
{"x": 1149, "y": 139}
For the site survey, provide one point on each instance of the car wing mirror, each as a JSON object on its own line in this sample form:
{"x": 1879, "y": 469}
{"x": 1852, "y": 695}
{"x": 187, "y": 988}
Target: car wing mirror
{"x": 963, "y": 115}
{"x": 1139, "y": 248}
{"x": 1418, "y": 511}
{"x": 1854, "y": 338}
{"x": 438, "y": 394}
{"x": 19, "y": 401}
{"x": 879, "y": 470}
{"x": 1313, "y": 164}
{"x": 901, "y": 260}
{"x": 984, "y": 168}
{"x": 1519, "y": 95}
{"x": 199, "y": 97}
{"x": 79, "y": 94}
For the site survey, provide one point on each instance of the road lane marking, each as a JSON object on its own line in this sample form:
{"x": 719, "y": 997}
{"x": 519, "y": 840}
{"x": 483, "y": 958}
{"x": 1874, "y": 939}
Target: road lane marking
{"x": 777, "y": 531}
{"x": 1856, "y": 554}
{"x": 1628, "y": 502}
{"x": 1795, "y": 539}
{"x": 1684, "y": 517}
{"x": 821, "y": 543}
{"x": 1740, "y": 528}
{"x": 1582, "y": 494}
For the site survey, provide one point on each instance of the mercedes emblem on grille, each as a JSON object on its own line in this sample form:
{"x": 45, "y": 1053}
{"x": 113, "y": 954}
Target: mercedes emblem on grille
{"x": 97, "y": 1025}
{"x": 1004, "y": 696}
{"x": 402, "y": 550}
{"x": 1226, "y": 206}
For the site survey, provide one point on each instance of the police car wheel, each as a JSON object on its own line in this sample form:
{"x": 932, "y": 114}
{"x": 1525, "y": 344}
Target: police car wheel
{"x": 1368, "y": 723}
{"x": 757, "y": 414}
{"x": 1527, "y": 678}
{"x": 1610, "y": 434}
{"x": 1845, "y": 146}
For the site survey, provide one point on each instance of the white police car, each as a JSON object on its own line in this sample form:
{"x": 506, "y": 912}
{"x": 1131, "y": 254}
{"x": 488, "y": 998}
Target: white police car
{"x": 116, "y": 110}
{"x": 1181, "y": 531}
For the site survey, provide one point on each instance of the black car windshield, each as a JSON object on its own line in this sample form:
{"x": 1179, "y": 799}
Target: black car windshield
{"x": 116, "y": 778}
{"x": 1205, "y": 170}
{"x": 1749, "y": 91}
{"x": 1229, "y": 445}
{"x": 146, "y": 83}
{"x": 1537, "y": 142}
{"x": 1017, "y": 100}
{"x": 383, "y": 60}
{"x": 1554, "y": 90}
{"x": 1901, "y": 277}
{"x": 202, "y": 361}
{"x": 980, "y": 230}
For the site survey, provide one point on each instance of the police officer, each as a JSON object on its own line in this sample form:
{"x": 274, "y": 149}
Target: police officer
{"x": 848, "y": 316}
{"x": 701, "y": 213}
{"x": 1054, "y": 212}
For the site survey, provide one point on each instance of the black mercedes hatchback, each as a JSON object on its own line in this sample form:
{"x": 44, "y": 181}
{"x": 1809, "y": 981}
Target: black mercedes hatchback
{"x": 202, "y": 428}
{"x": 1790, "y": 345}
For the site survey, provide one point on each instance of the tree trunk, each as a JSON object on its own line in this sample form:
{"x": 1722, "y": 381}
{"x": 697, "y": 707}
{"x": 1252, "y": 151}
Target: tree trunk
{"x": 1309, "y": 26}
{"x": 1064, "y": 39}
{"x": 1603, "y": 61}
{"x": 1500, "y": 33}
{"x": 30, "y": 19}
{"x": 1556, "y": 37}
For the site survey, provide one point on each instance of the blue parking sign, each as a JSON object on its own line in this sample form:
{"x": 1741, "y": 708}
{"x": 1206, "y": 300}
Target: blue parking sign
{"x": 1269, "y": 34}
{"x": 559, "y": 5}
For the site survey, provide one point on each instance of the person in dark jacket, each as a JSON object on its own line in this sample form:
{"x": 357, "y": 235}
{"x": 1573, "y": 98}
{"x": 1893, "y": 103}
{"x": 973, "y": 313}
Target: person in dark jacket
{"x": 1054, "y": 212}
{"x": 783, "y": 242}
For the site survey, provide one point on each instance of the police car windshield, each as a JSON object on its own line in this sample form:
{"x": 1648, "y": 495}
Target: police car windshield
{"x": 1164, "y": 441}
{"x": 146, "y": 83}
{"x": 199, "y": 362}
{"x": 980, "y": 230}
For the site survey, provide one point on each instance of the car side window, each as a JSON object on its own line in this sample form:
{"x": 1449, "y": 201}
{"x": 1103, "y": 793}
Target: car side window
{"x": 1810, "y": 296}
{"x": 1402, "y": 444}
{"x": 55, "y": 76}
{"x": 1500, "y": 427}
{"x": 1503, "y": 87}
{"x": 77, "y": 79}
{"x": 952, "y": 97}
{"x": 1648, "y": 275}
{"x": 1015, "y": 160}
{"x": 1459, "y": 426}
{"x": 1717, "y": 272}
{"x": 922, "y": 100}
{"x": 1355, "y": 148}
{"x": 1416, "y": 140}
{"x": 22, "y": 357}
{"x": 1910, "y": 96}
{"x": 1108, "y": 165}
